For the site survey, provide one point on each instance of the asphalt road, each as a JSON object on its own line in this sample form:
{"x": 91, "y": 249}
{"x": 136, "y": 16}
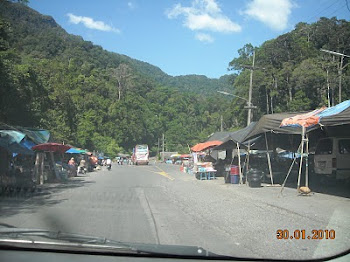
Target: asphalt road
{"x": 158, "y": 204}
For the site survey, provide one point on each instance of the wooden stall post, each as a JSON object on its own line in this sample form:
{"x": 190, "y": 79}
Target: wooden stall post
{"x": 301, "y": 157}
{"x": 268, "y": 159}
{"x": 41, "y": 169}
{"x": 239, "y": 164}
{"x": 36, "y": 167}
{"x": 307, "y": 162}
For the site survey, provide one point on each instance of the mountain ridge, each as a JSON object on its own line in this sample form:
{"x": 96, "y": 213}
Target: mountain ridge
{"x": 34, "y": 23}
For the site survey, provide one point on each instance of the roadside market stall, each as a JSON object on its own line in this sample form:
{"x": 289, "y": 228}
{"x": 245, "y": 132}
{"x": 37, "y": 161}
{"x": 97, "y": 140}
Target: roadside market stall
{"x": 280, "y": 131}
{"x": 235, "y": 141}
{"x": 203, "y": 170}
{"x": 17, "y": 157}
{"x": 46, "y": 164}
{"x": 324, "y": 118}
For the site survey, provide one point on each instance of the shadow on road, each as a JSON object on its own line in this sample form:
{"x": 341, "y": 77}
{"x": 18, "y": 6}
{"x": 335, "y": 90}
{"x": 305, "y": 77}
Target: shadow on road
{"x": 15, "y": 202}
{"x": 322, "y": 185}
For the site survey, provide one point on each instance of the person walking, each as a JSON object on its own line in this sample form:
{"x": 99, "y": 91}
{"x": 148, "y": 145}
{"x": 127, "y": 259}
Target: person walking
{"x": 109, "y": 164}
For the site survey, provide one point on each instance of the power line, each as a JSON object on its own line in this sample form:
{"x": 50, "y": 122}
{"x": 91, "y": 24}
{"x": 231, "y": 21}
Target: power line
{"x": 347, "y": 5}
{"x": 337, "y": 10}
{"x": 318, "y": 11}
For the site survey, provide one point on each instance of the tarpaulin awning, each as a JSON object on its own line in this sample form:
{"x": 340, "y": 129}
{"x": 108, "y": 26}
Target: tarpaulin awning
{"x": 14, "y": 135}
{"x": 271, "y": 123}
{"x": 27, "y": 143}
{"x": 185, "y": 156}
{"x": 175, "y": 155}
{"x": 51, "y": 147}
{"x": 235, "y": 137}
{"x": 205, "y": 145}
{"x": 38, "y": 136}
{"x": 7, "y": 142}
{"x": 219, "y": 136}
{"x": 307, "y": 120}
{"x": 332, "y": 116}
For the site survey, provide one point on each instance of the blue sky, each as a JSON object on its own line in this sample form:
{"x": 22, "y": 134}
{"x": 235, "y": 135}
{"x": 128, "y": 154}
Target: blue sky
{"x": 185, "y": 37}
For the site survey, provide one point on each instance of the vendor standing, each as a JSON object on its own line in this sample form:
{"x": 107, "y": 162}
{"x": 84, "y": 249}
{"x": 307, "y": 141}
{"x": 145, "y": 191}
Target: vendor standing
{"x": 71, "y": 164}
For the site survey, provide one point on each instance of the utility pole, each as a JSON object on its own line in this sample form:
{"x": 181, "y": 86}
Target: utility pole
{"x": 250, "y": 113}
{"x": 163, "y": 146}
{"x": 340, "y": 69}
{"x": 222, "y": 124}
{"x": 158, "y": 148}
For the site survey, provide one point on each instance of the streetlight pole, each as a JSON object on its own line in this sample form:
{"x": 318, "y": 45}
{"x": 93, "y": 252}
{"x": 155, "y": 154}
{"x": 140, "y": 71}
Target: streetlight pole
{"x": 340, "y": 69}
{"x": 250, "y": 113}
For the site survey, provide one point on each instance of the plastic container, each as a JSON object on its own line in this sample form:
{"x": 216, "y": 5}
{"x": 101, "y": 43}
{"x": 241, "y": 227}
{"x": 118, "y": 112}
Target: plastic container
{"x": 234, "y": 179}
{"x": 254, "y": 177}
{"x": 234, "y": 170}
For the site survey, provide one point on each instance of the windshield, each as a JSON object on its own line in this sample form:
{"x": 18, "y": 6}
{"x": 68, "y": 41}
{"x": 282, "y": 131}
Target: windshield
{"x": 195, "y": 128}
{"x": 142, "y": 148}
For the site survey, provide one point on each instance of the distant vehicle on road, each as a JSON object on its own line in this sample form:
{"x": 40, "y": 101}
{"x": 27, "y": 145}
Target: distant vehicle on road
{"x": 332, "y": 157}
{"x": 140, "y": 155}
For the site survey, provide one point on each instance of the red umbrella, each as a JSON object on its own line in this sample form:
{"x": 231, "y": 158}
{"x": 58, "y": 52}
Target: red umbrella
{"x": 51, "y": 147}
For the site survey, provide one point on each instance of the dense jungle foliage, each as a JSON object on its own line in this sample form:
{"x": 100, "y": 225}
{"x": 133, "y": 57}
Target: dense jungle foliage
{"x": 104, "y": 101}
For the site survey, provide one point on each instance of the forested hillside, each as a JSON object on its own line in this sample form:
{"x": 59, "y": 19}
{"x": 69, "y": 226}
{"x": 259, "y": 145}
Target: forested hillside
{"x": 90, "y": 97}
{"x": 292, "y": 73}
{"x": 101, "y": 100}
{"x": 190, "y": 83}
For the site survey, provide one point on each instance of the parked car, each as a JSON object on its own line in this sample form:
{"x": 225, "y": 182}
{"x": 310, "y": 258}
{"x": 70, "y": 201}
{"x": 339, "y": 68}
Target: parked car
{"x": 332, "y": 157}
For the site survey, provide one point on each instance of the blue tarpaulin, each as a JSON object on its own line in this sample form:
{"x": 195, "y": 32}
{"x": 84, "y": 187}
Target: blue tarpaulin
{"x": 15, "y": 136}
{"x": 6, "y": 142}
{"x": 27, "y": 143}
{"x": 38, "y": 136}
{"x": 335, "y": 109}
{"x": 75, "y": 151}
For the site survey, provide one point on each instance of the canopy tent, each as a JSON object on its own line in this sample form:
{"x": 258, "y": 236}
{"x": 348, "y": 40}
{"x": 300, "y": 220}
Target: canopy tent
{"x": 51, "y": 147}
{"x": 234, "y": 140}
{"x": 205, "y": 145}
{"x": 326, "y": 117}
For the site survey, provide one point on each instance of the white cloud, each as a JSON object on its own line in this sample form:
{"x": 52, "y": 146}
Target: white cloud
{"x": 273, "y": 13}
{"x": 131, "y": 5}
{"x": 91, "y": 23}
{"x": 204, "y": 15}
{"x": 204, "y": 38}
